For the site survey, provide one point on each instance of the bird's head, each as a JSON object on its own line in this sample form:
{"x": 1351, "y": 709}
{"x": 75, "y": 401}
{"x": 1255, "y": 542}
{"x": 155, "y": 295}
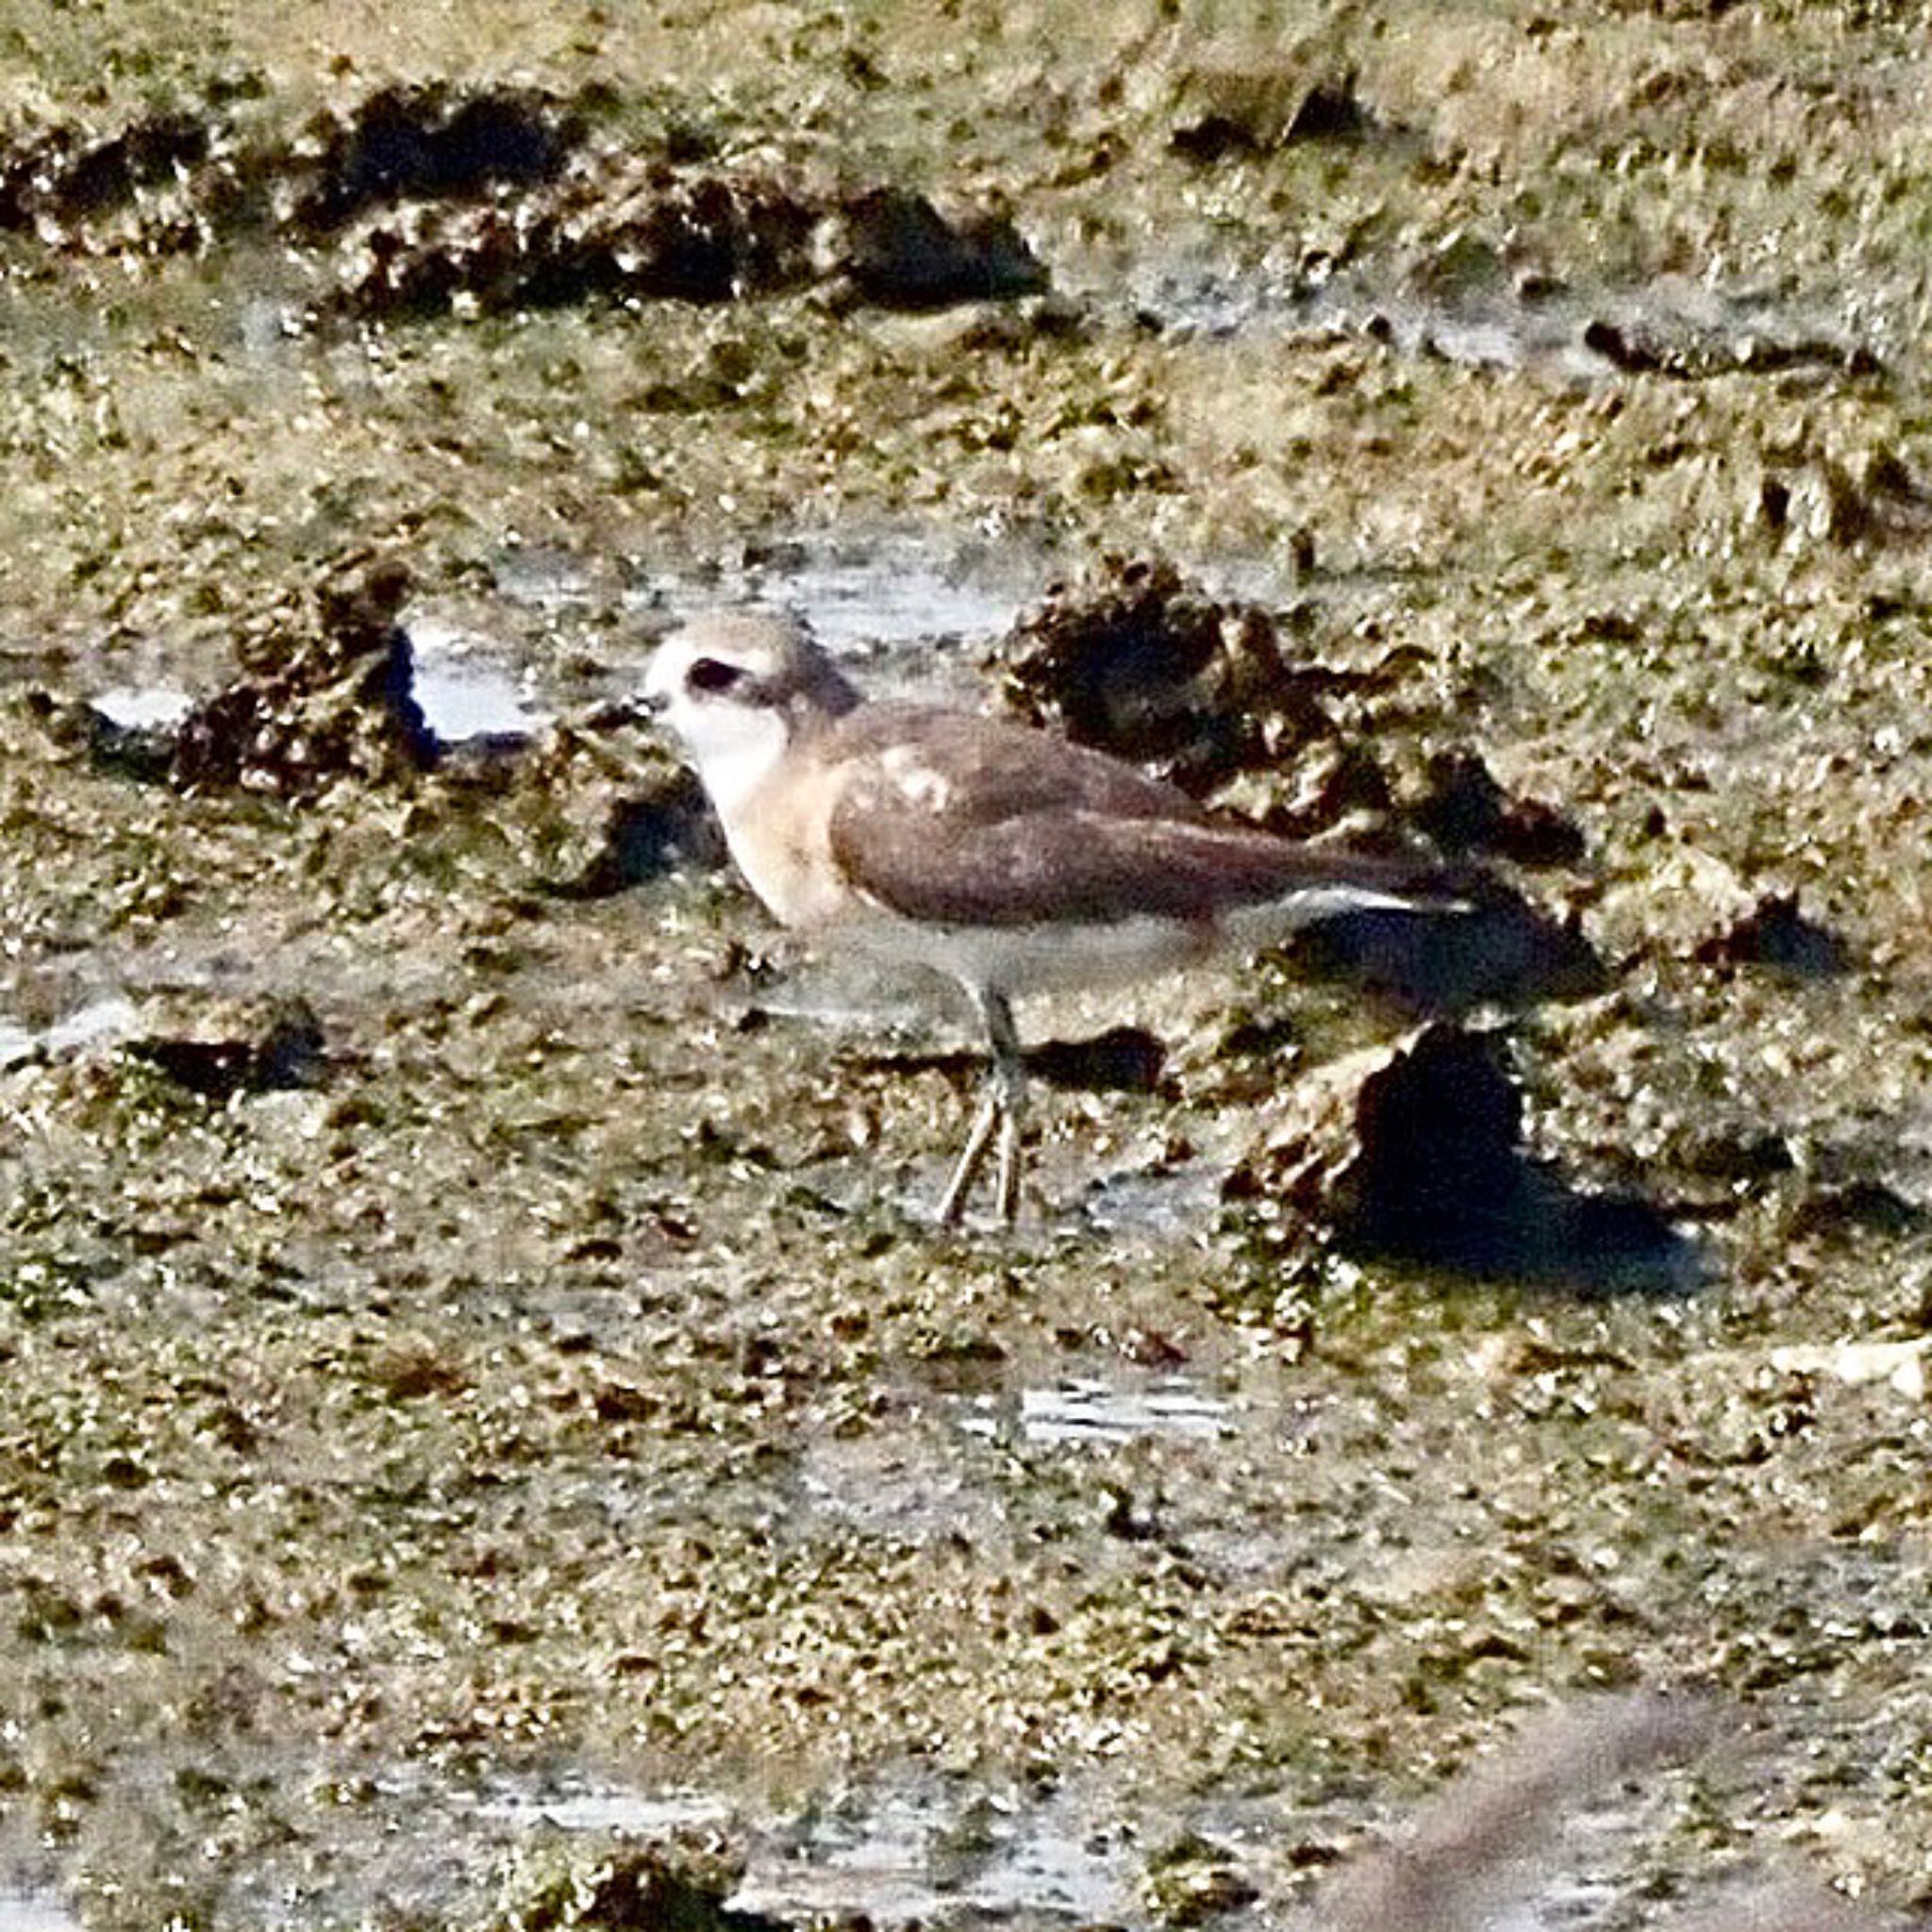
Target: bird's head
{"x": 738, "y": 688}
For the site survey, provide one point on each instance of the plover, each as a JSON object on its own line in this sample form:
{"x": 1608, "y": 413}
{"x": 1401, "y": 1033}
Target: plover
{"x": 1006, "y": 858}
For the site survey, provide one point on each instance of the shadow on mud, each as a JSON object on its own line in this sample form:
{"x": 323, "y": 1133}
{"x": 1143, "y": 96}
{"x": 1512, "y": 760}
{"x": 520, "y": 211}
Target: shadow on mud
{"x": 1414, "y": 1155}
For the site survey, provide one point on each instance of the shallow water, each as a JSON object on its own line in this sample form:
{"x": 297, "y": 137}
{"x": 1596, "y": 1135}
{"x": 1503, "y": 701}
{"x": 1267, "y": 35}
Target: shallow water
{"x": 143, "y": 707}
{"x": 912, "y": 617}
{"x": 23, "y": 1909}
{"x": 1082, "y": 1411}
{"x": 99, "y": 1022}
{"x": 466, "y": 693}
{"x": 605, "y": 1808}
{"x": 915, "y": 1845}
{"x": 462, "y": 686}
{"x": 930, "y": 1849}
{"x": 1482, "y": 318}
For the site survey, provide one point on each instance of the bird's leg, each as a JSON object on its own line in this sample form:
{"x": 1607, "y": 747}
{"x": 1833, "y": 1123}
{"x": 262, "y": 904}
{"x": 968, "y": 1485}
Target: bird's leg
{"x": 1006, "y": 1076}
{"x": 971, "y": 1159}
{"x": 1006, "y": 1083}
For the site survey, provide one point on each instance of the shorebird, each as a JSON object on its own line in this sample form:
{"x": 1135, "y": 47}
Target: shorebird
{"x": 1003, "y": 858}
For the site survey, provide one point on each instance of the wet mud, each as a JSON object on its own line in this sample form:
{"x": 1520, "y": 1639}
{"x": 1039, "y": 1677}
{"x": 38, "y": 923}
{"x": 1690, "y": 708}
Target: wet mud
{"x": 493, "y": 1436}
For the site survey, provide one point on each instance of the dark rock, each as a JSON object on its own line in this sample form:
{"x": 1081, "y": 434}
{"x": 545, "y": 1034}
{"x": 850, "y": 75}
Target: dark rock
{"x": 1463, "y": 810}
{"x": 67, "y": 175}
{"x": 194, "y": 177}
{"x": 1884, "y": 474}
{"x": 1413, "y": 1153}
{"x": 1736, "y": 1157}
{"x": 313, "y": 709}
{"x": 185, "y": 174}
{"x": 642, "y": 835}
{"x": 1213, "y": 138}
{"x": 325, "y": 695}
{"x": 631, "y": 228}
{"x": 639, "y": 1890}
{"x": 1140, "y": 662}
{"x": 1865, "y": 1205}
{"x": 1775, "y": 933}
{"x": 589, "y": 811}
{"x": 1328, "y": 780}
{"x": 895, "y": 249}
{"x": 1124, "y": 1059}
{"x": 249, "y": 1047}
{"x": 1232, "y": 111}
{"x": 144, "y": 753}
{"x": 1775, "y": 505}
{"x": 436, "y": 141}
{"x": 612, "y": 229}
{"x": 1330, "y": 110}
{"x": 443, "y": 194}
{"x": 1697, "y": 354}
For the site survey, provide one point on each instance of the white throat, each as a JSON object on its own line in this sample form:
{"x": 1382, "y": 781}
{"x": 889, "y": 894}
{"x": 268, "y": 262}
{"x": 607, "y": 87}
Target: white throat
{"x": 735, "y": 748}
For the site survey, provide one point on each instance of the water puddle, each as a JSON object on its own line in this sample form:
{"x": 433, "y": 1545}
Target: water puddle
{"x": 144, "y": 706}
{"x": 100, "y": 1022}
{"x": 910, "y": 613}
{"x": 1086, "y": 1412}
{"x": 24, "y": 1909}
{"x": 465, "y": 695}
{"x": 922, "y": 1848}
{"x": 910, "y": 616}
{"x": 1479, "y": 314}
{"x": 605, "y": 1808}
{"x": 893, "y": 594}
{"x": 929, "y": 1852}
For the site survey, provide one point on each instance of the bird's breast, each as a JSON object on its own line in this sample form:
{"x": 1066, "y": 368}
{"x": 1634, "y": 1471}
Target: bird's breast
{"x": 780, "y": 839}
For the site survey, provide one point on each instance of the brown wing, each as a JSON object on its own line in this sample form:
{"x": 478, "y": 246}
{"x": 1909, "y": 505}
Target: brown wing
{"x": 990, "y": 768}
{"x": 964, "y": 821}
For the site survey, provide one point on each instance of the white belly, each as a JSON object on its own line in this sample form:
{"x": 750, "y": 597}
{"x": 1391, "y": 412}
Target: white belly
{"x": 1020, "y": 961}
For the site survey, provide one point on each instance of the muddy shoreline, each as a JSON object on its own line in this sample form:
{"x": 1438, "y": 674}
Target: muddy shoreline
{"x": 492, "y": 1437}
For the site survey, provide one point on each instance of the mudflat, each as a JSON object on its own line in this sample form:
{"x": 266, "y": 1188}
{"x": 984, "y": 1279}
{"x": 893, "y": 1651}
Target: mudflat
{"x": 489, "y": 1435}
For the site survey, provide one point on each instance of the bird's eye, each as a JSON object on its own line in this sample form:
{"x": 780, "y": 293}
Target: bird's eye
{"x": 713, "y": 674}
